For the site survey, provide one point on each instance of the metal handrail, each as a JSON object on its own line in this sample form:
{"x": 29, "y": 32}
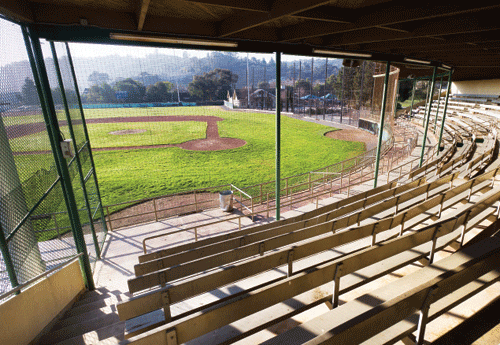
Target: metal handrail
{"x": 38, "y": 277}
{"x": 350, "y": 169}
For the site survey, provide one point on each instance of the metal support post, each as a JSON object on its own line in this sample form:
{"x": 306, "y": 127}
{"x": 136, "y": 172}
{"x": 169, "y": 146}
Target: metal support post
{"x": 89, "y": 147}
{"x": 444, "y": 112}
{"x": 428, "y": 117}
{"x": 439, "y": 101}
{"x": 75, "y": 147}
{"x": 52, "y": 124}
{"x": 413, "y": 96}
{"x": 278, "y": 132}
{"x": 381, "y": 125}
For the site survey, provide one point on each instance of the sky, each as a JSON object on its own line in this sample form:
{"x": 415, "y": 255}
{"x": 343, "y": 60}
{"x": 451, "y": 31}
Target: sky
{"x": 93, "y": 50}
{"x": 10, "y": 34}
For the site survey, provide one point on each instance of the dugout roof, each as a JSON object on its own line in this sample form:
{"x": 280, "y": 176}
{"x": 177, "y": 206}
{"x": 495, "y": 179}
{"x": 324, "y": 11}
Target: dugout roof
{"x": 464, "y": 35}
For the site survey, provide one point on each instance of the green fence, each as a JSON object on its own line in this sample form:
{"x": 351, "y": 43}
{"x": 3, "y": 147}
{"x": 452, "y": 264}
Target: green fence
{"x": 50, "y": 207}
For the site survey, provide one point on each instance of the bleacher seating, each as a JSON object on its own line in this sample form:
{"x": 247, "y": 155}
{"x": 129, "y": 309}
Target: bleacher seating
{"x": 274, "y": 271}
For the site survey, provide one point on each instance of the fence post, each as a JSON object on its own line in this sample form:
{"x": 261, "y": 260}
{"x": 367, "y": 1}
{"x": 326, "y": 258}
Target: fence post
{"x": 57, "y": 226}
{"x": 52, "y": 124}
{"x": 154, "y": 207}
{"x": 381, "y": 125}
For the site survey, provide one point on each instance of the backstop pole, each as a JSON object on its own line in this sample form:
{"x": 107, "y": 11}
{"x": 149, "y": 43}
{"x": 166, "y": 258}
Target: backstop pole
{"x": 278, "y": 133}
{"x": 444, "y": 112}
{"x": 413, "y": 96}
{"x": 433, "y": 83}
{"x": 52, "y": 124}
{"x": 381, "y": 125}
{"x": 439, "y": 101}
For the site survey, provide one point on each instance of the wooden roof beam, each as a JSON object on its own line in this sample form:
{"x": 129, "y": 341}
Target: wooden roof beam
{"x": 279, "y": 9}
{"x": 390, "y": 15}
{"x": 141, "y": 14}
{"x": 254, "y": 5}
{"x": 449, "y": 26}
{"x": 18, "y": 10}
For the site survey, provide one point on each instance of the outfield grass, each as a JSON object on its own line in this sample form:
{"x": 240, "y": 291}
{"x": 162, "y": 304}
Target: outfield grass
{"x": 126, "y": 175}
{"x": 157, "y": 133}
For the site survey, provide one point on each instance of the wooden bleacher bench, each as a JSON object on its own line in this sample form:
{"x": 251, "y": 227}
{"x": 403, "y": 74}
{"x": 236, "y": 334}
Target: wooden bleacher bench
{"x": 396, "y": 310}
{"x": 397, "y": 252}
{"x": 364, "y": 231}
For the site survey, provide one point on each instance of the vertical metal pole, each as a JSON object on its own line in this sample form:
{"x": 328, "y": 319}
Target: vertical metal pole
{"x": 361, "y": 92}
{"x": 342, "y": 101}
{"x": 425, "y": 105}
{"x": 75, "y": 147}
{"x": 444, "y": 112}
{"x": 413, "y": 96}
{"x": 437, "y": 109}
{"x": 324, "y": 91}
{"x": 382, "y": 118}
{"x": 428, "y": 117}
{"x": 91, "y": 156}
{"x": 278, "y": 133}
{"x": 62, "y": 168}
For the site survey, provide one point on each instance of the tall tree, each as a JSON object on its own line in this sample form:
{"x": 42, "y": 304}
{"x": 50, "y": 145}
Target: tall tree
{"x": 135, "y": 90}
{"x": 159, "y": 92}
{"x": 213, "y": 85}
{"x": 97, "y": 78}
{"x": 29, "y": 92}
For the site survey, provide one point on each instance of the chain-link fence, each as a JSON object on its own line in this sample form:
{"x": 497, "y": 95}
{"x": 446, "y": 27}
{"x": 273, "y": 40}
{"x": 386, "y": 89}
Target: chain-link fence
{"x": 36, "y": 232}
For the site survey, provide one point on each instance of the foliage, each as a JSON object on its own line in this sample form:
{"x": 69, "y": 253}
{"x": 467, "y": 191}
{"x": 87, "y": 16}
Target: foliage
{"x": 71, "y": 96}
{"x": 405, "y": 89}
{"x": 103, "y": 93}
{"x": 213, "y": 85}
{"x": 264, "y": 85}
{"x": 29, "y": 92}
{"x": 135, "y": 90}
{"x": 304, "y": 85}
{"x": 159, "y": 92}
{"x": 96, "y": 78}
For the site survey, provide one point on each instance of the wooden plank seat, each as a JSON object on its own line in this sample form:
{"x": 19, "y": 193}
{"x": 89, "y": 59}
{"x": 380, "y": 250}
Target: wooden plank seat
{"x": 343, "y": 218}
{"x": 182, "y": 290}
{"x": 201, "y": 322}
{"x": 440, "y": 285}
{"x": 482, "y": 159}
{"x": 185, "y": 264}
{"x": 358, "y": 200}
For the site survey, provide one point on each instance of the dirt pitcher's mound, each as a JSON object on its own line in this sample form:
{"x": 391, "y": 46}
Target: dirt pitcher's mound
{"x": 214, "y": 144}
{"x": 354, "y": 134}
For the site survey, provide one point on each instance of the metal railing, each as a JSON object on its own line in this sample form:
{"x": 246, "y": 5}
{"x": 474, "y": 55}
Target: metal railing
{"x": 362, "y": 170}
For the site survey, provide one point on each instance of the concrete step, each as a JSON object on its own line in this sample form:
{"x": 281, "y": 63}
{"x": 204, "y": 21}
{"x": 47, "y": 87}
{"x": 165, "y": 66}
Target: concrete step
{"x": 94, "y": 298}
{"x": 107, "y": 335}
{"x": 80, "y": 328}
{"x": 86, "y": 307}
{"x": 98, "y": 293}
{"x": 94, "y": 314}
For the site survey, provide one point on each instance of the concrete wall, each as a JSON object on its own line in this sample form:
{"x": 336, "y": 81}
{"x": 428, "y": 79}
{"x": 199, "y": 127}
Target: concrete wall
{"x": 24, "y": 316}
{"x": 476, "y": 87}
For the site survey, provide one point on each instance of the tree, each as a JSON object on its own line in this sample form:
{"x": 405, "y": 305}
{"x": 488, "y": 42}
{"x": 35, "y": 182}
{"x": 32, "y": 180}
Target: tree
{"x": 29, "y": 92}
{"x": 135, "y": 90}
{"x": 103, "y": 93}
{"x": 159, "y": 92}
{"x": 213, "y": 85}
{"x": 264, "y": 85}
{"x": 97, "y": 78}
{"x": 303, "y": 85}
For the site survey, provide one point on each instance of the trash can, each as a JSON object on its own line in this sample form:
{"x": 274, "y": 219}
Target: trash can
{"x": 226, "y": 200}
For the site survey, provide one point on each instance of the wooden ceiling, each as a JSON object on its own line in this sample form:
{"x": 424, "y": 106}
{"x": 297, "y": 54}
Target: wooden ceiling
{"x": 464, "y": 35}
